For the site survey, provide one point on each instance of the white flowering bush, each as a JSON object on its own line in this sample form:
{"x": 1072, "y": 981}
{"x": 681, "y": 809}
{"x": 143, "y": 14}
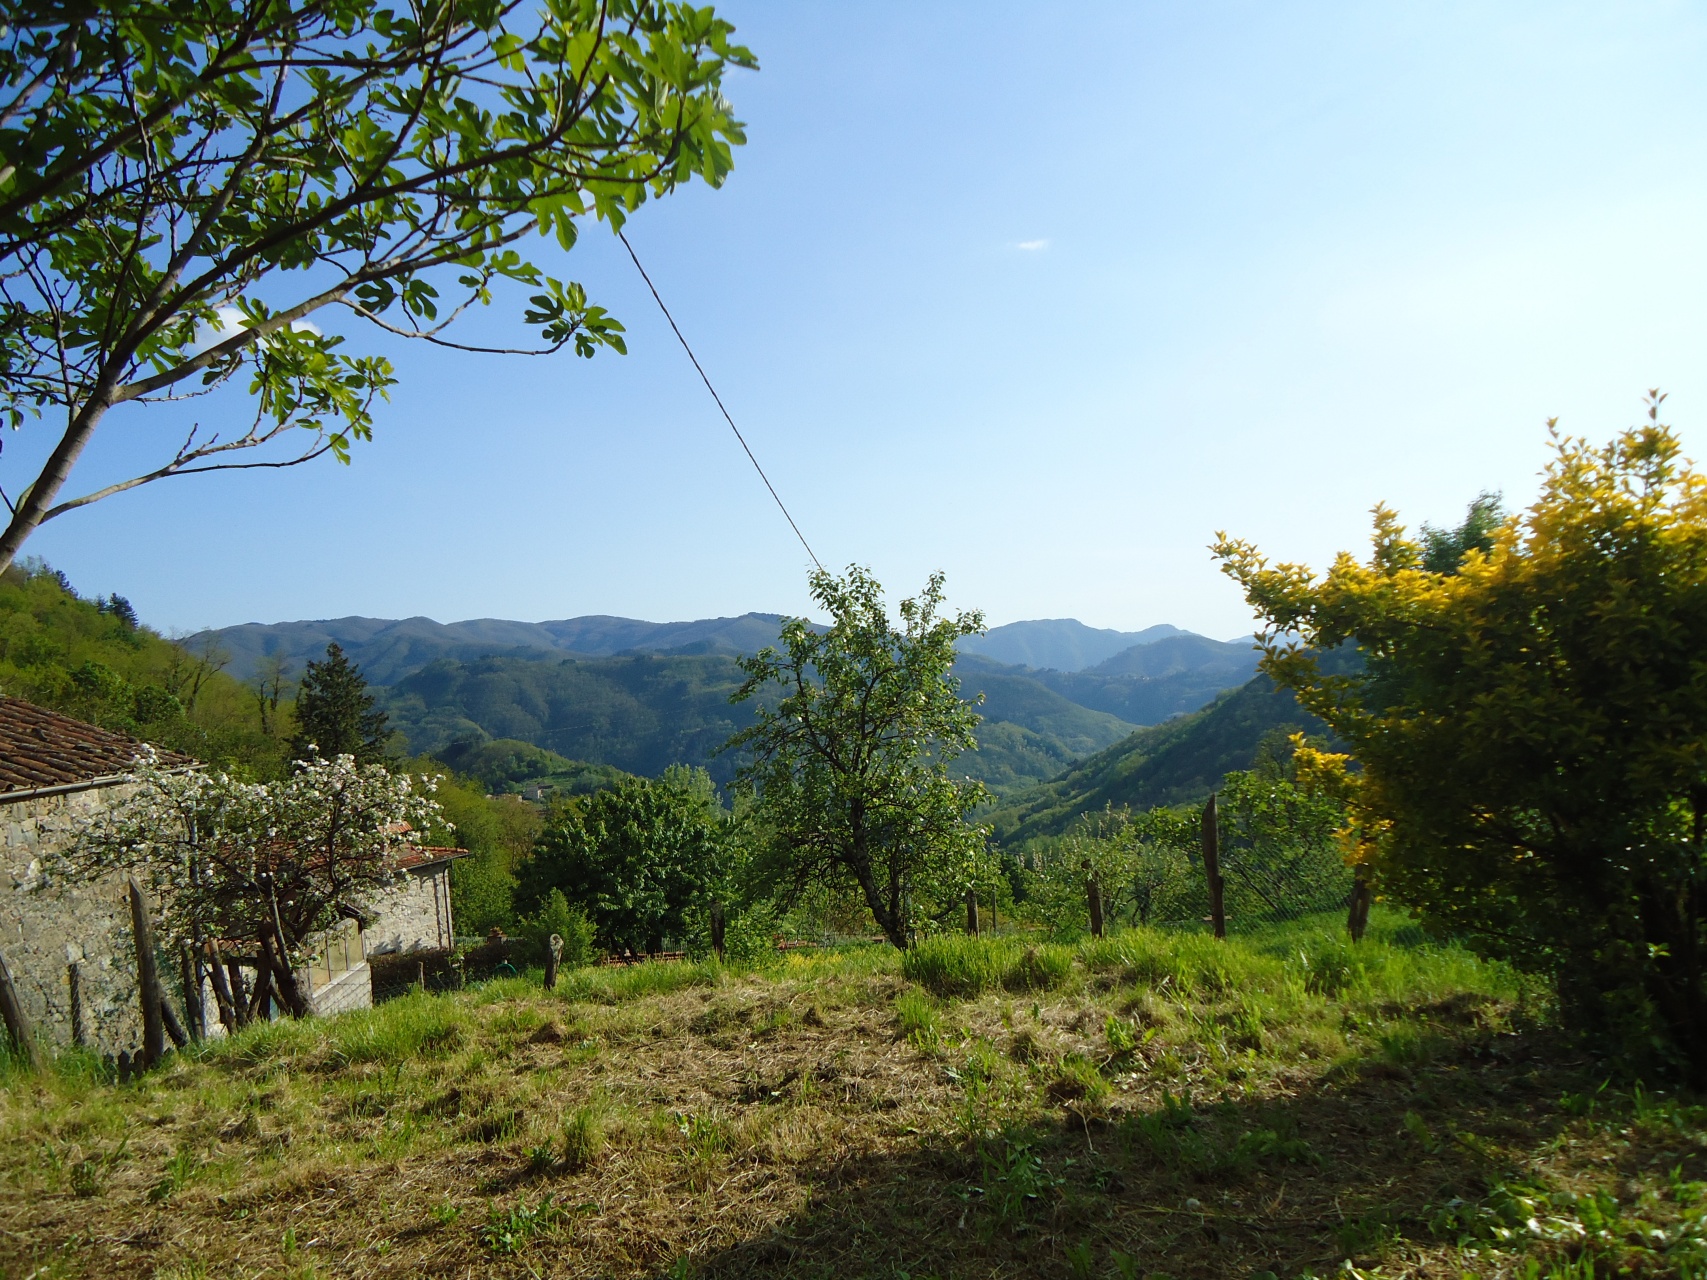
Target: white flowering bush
{"x": 269, "y": 863}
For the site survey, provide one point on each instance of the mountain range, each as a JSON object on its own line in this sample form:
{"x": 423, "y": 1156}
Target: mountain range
{"x": 639, "y": 696}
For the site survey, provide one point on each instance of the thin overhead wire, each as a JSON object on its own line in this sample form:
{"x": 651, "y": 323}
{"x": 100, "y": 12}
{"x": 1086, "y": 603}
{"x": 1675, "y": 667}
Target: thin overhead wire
{"x": 676, "y": 329}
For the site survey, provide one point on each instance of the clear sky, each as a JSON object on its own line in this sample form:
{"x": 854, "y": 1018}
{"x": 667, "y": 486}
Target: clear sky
{"x": 1040, "y": 295}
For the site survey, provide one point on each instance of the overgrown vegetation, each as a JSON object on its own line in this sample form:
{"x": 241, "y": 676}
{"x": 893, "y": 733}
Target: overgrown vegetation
{"x": 1152, "y": 1103}
{"x": 1528, "y": 729}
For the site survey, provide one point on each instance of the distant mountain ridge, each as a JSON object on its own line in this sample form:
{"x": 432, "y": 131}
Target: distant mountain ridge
{"x": 1060, "y": 644}
{"x": 638, "y": 696}
{"x": 387, "y": 650}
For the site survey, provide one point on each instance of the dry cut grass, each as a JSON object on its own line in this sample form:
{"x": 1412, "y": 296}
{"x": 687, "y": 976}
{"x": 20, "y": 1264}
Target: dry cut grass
{"x": 1285, "y": 1105}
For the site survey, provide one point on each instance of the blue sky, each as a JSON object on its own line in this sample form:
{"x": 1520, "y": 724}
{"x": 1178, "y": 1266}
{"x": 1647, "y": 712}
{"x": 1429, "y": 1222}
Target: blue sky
{"x": 1041, "y": 296}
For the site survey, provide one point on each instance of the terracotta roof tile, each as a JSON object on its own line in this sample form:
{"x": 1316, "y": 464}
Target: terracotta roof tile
{"x": 41, "y": 748}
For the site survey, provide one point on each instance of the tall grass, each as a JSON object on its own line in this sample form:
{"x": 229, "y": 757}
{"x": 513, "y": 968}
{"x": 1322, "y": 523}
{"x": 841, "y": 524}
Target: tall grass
{"x": 1313, "y": 956}
{"x": 959, "y": 967}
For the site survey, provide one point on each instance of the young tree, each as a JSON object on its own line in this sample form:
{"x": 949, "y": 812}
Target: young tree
{"x": 335, "y": 714}
{"x": 268, "y": 863}
{"x": 1532, "y": 730}
{"x": 851, "y": 763}
{"x": 184, "y": 182}
{"x": 636, "y": 857}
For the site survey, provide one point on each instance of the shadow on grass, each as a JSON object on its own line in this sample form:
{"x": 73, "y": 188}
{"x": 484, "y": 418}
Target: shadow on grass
{"x": 1359, "y": 1164}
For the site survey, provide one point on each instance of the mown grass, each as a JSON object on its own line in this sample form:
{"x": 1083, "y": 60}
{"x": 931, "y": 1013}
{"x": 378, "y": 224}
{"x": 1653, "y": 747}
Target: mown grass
{"x": 1284, "y": 1103}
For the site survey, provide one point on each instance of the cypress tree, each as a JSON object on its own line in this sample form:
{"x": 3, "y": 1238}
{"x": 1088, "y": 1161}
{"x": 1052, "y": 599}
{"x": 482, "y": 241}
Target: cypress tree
{"x": 335, "y": 712}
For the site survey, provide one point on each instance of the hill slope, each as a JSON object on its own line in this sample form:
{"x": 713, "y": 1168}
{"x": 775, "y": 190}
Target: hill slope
{"x": 1148, "y": 683}
{"x": 644, "y": 712}
{"x": 1172, "y": 763}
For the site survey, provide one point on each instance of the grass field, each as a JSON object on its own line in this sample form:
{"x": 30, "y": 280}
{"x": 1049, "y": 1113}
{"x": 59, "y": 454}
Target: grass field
{"x": 1151, "y": 1104}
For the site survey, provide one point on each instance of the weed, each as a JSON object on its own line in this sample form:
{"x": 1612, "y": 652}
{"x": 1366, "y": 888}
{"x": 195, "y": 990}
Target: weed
{"x": 916, "y": 1016}
{"x": 1081, "y": 1260}
{"x": 179, "y": 1170}
{"x": 445, "y": 1213}
{"x": 583, "y": 1137}
{"x": 1015, "y": 1180}
{"x": 1075, "y": 1079}
{"x": 1122, "y": 1036}
{"x": 511, "y": 1230}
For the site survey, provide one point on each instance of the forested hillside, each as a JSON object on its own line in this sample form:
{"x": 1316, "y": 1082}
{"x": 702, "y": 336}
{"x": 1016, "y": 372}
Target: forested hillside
{"x": 643, "y": 712}
{"x": 1148, "y": 683}
{"x": 1171, "y": 763}
{"x": 94, "y": 660}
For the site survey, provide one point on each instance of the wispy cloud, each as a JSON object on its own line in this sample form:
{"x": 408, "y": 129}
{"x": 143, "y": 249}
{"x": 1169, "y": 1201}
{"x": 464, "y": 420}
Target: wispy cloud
{"x": 1032, "y": 246}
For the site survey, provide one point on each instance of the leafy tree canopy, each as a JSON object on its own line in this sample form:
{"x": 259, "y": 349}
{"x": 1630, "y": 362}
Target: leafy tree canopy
{"x": 1532, "y": 729}
{"x": 857, "y": 727}
{"x": 636, "y": 858}
{"x": 184, "y": 182}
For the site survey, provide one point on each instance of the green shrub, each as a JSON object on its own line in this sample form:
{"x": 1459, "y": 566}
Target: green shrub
{"x": 555, "y": 915}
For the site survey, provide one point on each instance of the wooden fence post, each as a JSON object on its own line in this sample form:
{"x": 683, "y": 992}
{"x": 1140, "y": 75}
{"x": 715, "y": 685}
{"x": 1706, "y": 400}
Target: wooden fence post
{"x": 1212, "y": 868}
{"x": 74, "y": 979}
{"x": 1093, "y": 898}
{"x": 972, "y": 912}
{"x": 17, "y": 1021}
{"x": 189, "y": 973}
{"x": 1361, "y": 894}
{"x": 147, "y": 979}
{"x": 717, "y": 930}
{"x": 553, "y": 957}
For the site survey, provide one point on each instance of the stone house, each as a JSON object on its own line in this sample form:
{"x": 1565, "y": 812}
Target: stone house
{"x": 70, "y": 948}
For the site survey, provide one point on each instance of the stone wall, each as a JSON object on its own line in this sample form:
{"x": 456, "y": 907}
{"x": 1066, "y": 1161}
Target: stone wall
{"x": 47, "y": 926}
{"x": 415, "y": 915}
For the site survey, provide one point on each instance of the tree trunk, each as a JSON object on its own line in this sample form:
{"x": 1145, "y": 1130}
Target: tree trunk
{"x": 191, "y": 976}
{"x": 889, "y": 918}
{"x": 147, "y": 979}
{"x": 221, "y": 990}
{"x": 717, "y": 930}
{"x": 262, "y": 996}
{"x": 275, "y": 958}
{"x": 39, "y": 497}
{"x": 239, "y": 994}
{"x": 972, "y": 912}
{"x": 1212, "y": 868}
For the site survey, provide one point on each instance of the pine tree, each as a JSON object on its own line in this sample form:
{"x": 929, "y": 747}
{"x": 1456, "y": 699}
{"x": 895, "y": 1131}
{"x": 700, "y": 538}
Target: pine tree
{"x": 335, "y": 714}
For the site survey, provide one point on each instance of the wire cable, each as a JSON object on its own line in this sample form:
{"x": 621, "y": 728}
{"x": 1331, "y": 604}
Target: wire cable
{"x": 676, "y": 329}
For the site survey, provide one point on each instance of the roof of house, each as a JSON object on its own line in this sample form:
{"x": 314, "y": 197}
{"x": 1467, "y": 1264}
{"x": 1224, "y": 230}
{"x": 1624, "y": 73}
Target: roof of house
{"x": 427, "y": 856}
{"x": 41, "y": 750}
